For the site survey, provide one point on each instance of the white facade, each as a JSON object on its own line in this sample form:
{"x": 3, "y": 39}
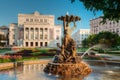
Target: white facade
{"x": 35, "y": 30}
{"x": 111, "y": 26}
{"x": 80, "y": 35}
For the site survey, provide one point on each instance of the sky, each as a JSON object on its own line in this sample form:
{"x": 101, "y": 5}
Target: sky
{"x": 9, "y": 10}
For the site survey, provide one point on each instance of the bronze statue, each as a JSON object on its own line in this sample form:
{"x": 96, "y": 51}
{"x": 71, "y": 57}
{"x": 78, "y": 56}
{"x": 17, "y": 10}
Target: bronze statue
{"x": 68, "y": 50}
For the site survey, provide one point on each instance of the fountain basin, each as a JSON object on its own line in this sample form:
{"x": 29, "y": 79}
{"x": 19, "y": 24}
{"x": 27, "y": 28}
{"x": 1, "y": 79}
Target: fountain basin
{"x": 68, "y": 69}
{"x": 34, "y": 71}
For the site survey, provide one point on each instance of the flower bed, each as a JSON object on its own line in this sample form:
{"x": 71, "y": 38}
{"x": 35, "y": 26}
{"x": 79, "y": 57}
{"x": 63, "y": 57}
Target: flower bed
{"x": 8, "y": 58}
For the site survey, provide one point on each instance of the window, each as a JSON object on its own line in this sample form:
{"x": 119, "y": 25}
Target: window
{"x": 13, "y": 29}
{"x": 32, "y": 33}
{"x": 31, "y": 20}
{"x": 13, "y": 36}
{"x": 36, "y": 43}
{"x": 26, "y": 29}
{"x": 41, "y": 36}
{"x": 36, "y": 20}
{"x": 46, "y": 29}
{"x": 41, "y": 29}
{"x": 46, "y": 36}
{"x": 41, "y": 43}
{"x": 26, "y": 43}
{"x": 45, "y": 43}
{"x": 45, "y": 20}
{"x": 57, "y": 38}
{"x": 36, "y": 33}
{"x": 27, "y": 36}
{"x": 27, "y": 20}
{"x": 36, "y": 36}
{"x": 41, "y": 20}
{"x": 31, "y": 43}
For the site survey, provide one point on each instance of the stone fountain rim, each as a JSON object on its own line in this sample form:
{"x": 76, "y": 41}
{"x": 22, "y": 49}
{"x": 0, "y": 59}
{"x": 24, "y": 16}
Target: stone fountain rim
{"x": 101, "y": 61}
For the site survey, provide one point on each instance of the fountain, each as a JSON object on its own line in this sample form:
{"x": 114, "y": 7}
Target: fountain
{"x": 67, "y": 62}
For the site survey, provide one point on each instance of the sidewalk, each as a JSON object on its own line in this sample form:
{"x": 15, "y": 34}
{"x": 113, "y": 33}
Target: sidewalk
{"x": 111, "y": 57}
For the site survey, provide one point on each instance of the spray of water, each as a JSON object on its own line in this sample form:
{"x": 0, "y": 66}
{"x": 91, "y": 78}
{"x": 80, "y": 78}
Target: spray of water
{"x": 95, "y": 46}
{"x": 89, "y": 50}
{"x": 98, "y": 46}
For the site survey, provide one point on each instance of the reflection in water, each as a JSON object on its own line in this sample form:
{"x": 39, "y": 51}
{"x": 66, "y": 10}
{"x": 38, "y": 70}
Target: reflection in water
{"x": 35, "y": 72}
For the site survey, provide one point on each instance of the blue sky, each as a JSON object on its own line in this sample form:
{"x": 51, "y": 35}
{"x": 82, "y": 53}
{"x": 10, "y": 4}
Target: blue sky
{"x": 9, "y": 10}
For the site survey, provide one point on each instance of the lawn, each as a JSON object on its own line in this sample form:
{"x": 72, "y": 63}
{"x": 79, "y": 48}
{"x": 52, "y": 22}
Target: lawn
{"x": 28, "y": 54}
{"x": 82, "y": 49}
{"x": 4, "y": 50}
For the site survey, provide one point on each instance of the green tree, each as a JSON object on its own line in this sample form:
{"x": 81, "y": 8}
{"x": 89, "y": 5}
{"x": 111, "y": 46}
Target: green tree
{"x": 108, "y": 38}
{"x": 85, "y": 43}
{"x": 111, "y": 39}
{"x": 92, "y": 40}
{"x": 110, "y": 8}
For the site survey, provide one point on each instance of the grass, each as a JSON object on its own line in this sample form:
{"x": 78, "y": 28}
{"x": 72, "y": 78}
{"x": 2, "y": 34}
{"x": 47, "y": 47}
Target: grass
{"x": 29, "y": 58}
{"x": 25, "y": 59}
{"x": 81, "y": 49}
{"x": 89, "y": 58}
{"x": 115, "y": 54}
{"x": 4, "y": 50}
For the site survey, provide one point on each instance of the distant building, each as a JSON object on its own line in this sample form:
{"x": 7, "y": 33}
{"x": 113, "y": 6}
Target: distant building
{"x": 111, "y": 26}
{"x": 34, "y": 30}
{"x": 5, "y": 32}
{"x": 80, "y": 35}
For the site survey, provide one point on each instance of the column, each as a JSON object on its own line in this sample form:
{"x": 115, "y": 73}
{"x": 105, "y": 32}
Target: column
{"x": 47, "y": 33}
{"x": 24, "y": 35}
{"x": 43, "y": 36}
{"x": 33, "y": 37}
{"x": 38, "y": 33}
{"x": 29, "y": 35}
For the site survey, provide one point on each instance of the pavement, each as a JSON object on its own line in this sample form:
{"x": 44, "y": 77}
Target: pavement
{"x": 110, "y": 57}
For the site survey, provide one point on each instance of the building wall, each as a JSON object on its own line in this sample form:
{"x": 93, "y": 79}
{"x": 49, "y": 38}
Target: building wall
{"x": 96, "y": 26}
{"x": 80, "y": 35}
{"x": 35, "y": 18}
{"x": 4, "y": 31}
{"x": 13, "y": 29}
{"x": 35, "y": 30}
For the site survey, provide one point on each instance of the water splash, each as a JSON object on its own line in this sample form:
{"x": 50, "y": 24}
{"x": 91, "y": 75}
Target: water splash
{"x": 111, "y": 72}
{"x": 102, "y": 60}
{"x": 95, "y": 46}
{"x": 88, "y": 50}
{"x": 56, "y": 75}
{"x": 49, "y": 74}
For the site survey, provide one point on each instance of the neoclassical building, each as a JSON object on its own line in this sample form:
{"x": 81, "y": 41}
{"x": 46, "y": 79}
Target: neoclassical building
{"x": 34, "y": 30}
{"x": 111, "y": 26}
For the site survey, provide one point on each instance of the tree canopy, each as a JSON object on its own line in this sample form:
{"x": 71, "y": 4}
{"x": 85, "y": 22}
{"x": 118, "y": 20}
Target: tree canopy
{"x": 108, "y": 38}
{"x": 110, "y": 8}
